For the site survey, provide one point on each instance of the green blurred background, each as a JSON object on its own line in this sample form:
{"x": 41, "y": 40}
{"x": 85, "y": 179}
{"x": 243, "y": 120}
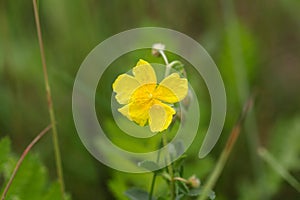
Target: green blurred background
{"x": 255, "y": 44}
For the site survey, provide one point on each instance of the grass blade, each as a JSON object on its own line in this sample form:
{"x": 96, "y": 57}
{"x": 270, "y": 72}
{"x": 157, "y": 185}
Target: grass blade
{"x": 281, "y": 170}
{"x": 226, "y": 152}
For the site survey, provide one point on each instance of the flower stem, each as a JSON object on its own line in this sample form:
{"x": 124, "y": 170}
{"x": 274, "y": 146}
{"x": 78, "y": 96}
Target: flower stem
{"x": 154, "y": 174}
{"x": 180, "y": 179}
{"x": 173, "y": 63}
{"x": 162, "y": 53}
{"x": 152, "y": 186}
{"x": 164, "y": 135}
{"x": 170, "y": 168}
{"x": 25, "y": 152}
{"x": 168, "y": 67}
{"x": 49, "y": 99}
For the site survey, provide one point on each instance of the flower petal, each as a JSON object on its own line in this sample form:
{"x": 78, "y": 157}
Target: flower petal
{"x": 144, "y": 72}
{"x": 125, "y": 111}
{"x": 124, "y": 86}
{"x": 160, "y": 117}
{"x": 139, "y": 111}
{"x": 172, "y": 89}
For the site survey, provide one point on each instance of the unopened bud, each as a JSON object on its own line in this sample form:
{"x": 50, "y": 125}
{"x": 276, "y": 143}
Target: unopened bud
{"x": 156, "y": 48}
{"x": 194, "y": 182}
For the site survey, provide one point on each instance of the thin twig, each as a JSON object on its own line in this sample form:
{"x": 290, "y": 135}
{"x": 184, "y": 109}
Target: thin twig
{"x": 50, "y": 102}
{"x": 25, "y": 152}
{"x": 226, "y": 152}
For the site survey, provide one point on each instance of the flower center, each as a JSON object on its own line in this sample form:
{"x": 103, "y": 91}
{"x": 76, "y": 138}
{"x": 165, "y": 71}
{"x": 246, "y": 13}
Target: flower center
{"x": 150, "y": 95}
{"x": 144, "y": 93}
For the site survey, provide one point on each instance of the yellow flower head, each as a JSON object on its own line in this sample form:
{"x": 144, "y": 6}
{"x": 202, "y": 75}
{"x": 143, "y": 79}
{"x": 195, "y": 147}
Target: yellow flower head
{"x": 144, "y": 100}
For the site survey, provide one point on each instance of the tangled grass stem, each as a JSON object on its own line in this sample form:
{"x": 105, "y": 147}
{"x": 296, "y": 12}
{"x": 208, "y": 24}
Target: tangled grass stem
{"x": 50, "y": 102}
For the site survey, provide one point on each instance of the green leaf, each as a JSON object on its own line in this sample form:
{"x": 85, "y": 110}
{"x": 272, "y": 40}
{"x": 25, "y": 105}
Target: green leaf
{"x": 178, "y": 197}
{"x": 137, "y": 194}
{"x": 179, "y": 162}
{"x": 149, "y": 165}
{"x": 198, "y": 191}
{"x": 53, "y": 192}
{"x": 182, "y": 187}
{"x": 172, "y": 150}
{"x": 179, "y": 146}
{"x": 166, "y": 176}
{"x": 179, "y": 67}
{"x": 31, "y": 180}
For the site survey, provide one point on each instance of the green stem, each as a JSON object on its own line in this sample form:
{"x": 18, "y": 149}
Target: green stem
{"x": 152, "y": 186}
{"x": 50, "y": 102}
{"x": 181, "y": 179}
{"x": 226, "y": 152}
{"x": 162, "y": 53}
{"x": 173, "y": 63}
{"x": 215, "y": 175}
{"x": 164, "y": 136}
{"x": 154, "y": 174}
{"x": 170, "y": 168}
{"x": 168, "y": 67}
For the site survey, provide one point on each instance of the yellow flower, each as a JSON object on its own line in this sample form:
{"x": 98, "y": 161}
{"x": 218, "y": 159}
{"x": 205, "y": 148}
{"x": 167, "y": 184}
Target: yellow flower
{"x": 144, "y": 100}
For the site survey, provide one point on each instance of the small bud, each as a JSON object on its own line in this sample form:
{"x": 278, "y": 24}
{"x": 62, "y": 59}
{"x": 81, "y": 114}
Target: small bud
{"x": 194, "y": 182}
{"x": 156, "y": 48}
